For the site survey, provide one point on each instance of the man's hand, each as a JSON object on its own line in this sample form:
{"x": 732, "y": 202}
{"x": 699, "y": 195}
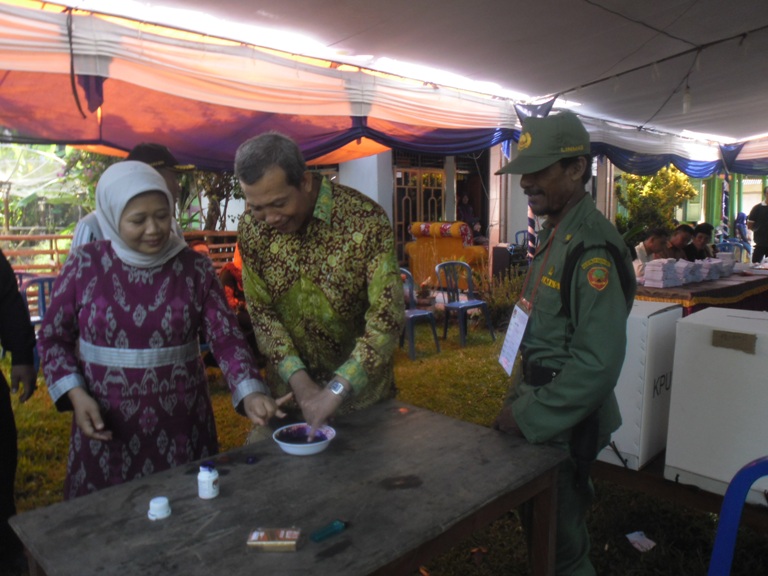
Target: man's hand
{"x": 260, "y": 408}
{"x": 303, "y": 386}
{"x": 25, "y": 375}
{"x": 505, "y": 422}
{"x": 88, "y": 415}
{"x": 317, "y": 404}
{"x": 319, "y": 407}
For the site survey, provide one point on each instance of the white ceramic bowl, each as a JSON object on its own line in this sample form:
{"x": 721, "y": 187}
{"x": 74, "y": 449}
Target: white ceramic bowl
{"x": 293, "y": 439}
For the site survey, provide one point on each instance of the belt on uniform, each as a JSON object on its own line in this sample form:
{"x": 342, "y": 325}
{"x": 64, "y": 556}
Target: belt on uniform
{"x": 537, "y": 375}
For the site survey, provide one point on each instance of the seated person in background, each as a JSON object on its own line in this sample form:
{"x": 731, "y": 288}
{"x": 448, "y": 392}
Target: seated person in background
{"x": 465, "y": 212}
{"x": 700, "y": 247}
{"x": 200, "y": 247}
{"x": 741, "y": 233}
{"x": 681, "y": 237}
{"x": 478, "y": 238}
{"x": 740, "y": 227}
{"x": 652, "y": 247}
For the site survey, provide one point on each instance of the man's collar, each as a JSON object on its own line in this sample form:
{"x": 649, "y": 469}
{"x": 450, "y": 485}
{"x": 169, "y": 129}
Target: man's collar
{"x": 324, "y": 202}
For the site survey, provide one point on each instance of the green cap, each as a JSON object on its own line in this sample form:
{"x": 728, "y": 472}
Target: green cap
{"x": 544, "y": 141}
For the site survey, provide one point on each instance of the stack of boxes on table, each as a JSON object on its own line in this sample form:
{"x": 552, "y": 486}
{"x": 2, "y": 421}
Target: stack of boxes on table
{"x": 668, "y": 272}
{"x": 712, "y": 421}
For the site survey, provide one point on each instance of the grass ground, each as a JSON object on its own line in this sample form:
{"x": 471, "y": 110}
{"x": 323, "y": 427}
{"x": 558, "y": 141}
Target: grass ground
{"x": 466, "y": 383}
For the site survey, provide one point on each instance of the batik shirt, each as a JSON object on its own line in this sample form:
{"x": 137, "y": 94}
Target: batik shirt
{"x": 329, "y": 298}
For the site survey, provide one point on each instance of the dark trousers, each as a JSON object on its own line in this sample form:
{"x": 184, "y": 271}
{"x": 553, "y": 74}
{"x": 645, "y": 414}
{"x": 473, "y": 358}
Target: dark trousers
{"x": 759, "y": 252}
{"x": 10, "y": 546}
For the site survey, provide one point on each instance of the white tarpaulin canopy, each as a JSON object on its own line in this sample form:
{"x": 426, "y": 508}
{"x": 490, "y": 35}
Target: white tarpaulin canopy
{"x": 83, "y": 78}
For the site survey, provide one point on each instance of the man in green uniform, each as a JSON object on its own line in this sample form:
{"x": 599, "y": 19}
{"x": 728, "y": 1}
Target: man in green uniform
{"x": 577, "y": 295}
{"x": 321, "y": 282}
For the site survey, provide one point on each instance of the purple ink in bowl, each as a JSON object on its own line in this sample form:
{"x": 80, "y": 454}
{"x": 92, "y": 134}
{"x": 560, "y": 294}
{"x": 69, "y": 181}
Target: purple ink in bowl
{"x": 293, "y": 439}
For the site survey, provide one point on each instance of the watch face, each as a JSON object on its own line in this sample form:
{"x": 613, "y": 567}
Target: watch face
{"x": 338, "y": 388}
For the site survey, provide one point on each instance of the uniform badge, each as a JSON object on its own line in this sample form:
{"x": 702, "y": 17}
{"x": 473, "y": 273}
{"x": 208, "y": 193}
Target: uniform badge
{"x": 598, "y": 277}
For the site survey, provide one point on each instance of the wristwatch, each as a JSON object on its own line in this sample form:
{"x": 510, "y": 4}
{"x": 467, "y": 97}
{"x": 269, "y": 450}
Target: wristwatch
{"x": 336, "y": 387}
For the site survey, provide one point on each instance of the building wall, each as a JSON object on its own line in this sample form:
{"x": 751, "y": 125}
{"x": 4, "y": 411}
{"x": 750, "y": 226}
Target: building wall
{"x": 373, "y": 177}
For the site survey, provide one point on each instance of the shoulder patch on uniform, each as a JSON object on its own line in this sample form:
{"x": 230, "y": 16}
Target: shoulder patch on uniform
{"x": 593, "y": 261}
{"x": 598, "y": 277}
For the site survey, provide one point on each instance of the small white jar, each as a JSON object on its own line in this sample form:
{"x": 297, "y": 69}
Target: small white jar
{"x": 159, "y": 508}
{"x": 207, "y": 482}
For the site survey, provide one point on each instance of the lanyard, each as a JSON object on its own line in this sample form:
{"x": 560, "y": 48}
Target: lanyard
{"x": 521, "y": 314}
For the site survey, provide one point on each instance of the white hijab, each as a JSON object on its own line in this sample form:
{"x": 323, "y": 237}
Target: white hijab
{"x": 119, "y": 184}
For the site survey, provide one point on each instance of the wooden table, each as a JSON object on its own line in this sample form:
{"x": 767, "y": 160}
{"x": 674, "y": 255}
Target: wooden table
{"x": 411, "y": 483}
{"x": 745, "y": 292}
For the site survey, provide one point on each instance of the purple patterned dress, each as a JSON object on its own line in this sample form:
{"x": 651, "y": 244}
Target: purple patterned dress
{"x": 138, "y": 356}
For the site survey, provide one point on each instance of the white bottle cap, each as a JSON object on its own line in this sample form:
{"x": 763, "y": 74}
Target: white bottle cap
{"x": 159, "y": 508}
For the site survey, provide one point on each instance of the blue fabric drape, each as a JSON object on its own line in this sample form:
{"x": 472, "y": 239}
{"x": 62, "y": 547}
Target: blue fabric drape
{"x": 730, "y": 153}
{"x": 648, "y": 164}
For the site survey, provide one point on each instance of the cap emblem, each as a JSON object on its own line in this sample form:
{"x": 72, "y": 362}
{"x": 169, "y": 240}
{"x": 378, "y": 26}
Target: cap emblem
{"x": 525, "y": 141}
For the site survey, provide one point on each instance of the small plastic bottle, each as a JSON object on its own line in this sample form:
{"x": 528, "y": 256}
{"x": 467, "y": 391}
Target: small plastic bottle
{"x": 207, "y": 482}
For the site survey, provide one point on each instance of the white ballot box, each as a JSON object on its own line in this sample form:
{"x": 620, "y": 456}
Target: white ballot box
{"x": 643, "y": 388}
{"x": 717, "y": 418}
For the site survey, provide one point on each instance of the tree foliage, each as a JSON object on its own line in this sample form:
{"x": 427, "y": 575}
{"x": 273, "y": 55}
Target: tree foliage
{"x": 651, "y": 201}
{"x": 73, "y": 194}
{"x": 217, "y": 187}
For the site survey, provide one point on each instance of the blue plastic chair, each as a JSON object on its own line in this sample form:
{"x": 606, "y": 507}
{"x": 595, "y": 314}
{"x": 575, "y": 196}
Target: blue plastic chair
{"x": 733, "y": 247}
{"x": 730, "y": 515}
{"x": 413, "y": 315}
{"x": 21, "y": 276}
{"x": 36, "y": 292}
{"x": 745, "y": 245}
{"x": 450, "y": 276}
{"x": 521, "y": 237}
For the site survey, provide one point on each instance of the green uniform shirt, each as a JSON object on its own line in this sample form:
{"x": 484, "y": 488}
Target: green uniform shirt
{"x": 588, "y": 345}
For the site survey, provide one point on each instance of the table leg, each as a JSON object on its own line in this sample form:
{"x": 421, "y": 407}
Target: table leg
{"x": 544, "y": 529}
{"x": 34, "y": 568}
{"x": 540, "y": 491}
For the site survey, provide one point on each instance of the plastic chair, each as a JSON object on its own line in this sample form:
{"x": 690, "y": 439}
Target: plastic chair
{"x": 36, "y": 292}
{"x": 745, "y": 245}
{"x": 730, "y": 515}
{"x": 521, "y": 237}
{"x": 21, "y": 276}
{"x": 731, "y": 247}
{"x": 413, "y": 315}
{"x": 449, "y": 277}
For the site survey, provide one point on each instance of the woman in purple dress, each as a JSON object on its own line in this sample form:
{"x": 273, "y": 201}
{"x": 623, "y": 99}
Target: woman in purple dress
{"x": 119, "y": 342}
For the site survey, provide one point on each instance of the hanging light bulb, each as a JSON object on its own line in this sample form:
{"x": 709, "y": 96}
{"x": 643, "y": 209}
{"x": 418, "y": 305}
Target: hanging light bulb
{"x": 686, "y": 99}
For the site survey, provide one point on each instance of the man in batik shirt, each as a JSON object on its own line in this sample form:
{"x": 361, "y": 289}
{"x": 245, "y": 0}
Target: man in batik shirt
{"x": 321, "y": 281}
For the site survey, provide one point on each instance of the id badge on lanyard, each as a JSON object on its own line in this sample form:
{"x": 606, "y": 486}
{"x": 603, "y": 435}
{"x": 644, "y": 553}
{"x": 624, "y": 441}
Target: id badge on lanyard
{"x": 515, "y": 331}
